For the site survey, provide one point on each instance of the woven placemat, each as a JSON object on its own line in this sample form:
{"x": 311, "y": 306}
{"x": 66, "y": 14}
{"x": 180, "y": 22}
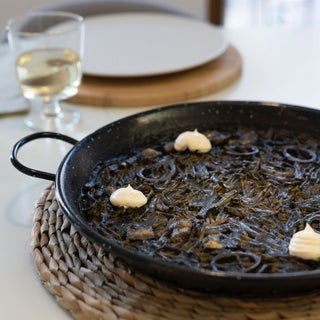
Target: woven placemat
{"x": 92, "y": 284}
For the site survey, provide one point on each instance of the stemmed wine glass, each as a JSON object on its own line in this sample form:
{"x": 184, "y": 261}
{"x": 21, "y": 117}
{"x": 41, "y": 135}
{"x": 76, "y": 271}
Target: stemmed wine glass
{"x": 48, "y": 50}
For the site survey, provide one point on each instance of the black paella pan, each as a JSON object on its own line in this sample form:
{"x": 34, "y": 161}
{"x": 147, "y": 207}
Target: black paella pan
{"x": 145, "y": 128}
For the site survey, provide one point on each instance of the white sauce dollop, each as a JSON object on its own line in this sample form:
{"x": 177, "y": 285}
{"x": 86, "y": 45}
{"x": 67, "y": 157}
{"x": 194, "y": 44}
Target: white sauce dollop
{"x": 305, "y": 244}
{"x": 194, "y": 141}
{"x": 128, "y": 197}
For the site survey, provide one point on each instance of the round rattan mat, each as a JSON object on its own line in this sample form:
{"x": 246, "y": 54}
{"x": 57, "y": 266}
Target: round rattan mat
{"x": 92, "y": 284}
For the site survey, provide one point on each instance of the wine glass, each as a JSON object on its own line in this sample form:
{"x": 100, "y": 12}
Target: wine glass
{"x": 48, "y": 49}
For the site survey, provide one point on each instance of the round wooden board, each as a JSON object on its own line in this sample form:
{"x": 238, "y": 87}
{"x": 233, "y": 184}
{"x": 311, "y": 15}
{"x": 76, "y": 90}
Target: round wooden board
{"x": 160, "y": 90}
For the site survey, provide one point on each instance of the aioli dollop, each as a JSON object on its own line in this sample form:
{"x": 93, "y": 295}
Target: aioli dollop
{"x": 128, "y": 197}
{"x": 194, "y": 141}
{"x": 305, "y": 244}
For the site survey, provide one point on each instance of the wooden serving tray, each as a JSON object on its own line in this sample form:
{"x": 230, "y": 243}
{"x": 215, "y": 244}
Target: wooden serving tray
{"x": 164, "y": 89}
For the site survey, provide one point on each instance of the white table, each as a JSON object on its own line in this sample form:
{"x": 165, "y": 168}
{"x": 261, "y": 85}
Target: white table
{"x": 279, "y": 65}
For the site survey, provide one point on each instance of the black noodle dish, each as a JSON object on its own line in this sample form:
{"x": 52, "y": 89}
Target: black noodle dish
{"x": 233, "y": 209}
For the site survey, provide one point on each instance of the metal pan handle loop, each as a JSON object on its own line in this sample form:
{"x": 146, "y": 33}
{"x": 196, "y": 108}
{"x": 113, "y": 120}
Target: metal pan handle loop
{"x": 31, "y": 137}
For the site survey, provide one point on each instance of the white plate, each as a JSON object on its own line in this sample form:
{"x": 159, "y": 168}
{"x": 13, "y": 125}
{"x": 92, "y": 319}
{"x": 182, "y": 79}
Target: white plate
{"x": 147, "y": 44}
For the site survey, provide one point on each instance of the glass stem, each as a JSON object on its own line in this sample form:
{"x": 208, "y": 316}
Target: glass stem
{"x": 51, "y": 107}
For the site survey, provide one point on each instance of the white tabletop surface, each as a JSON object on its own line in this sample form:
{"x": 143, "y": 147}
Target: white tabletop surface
{"x": 279, "y": 65}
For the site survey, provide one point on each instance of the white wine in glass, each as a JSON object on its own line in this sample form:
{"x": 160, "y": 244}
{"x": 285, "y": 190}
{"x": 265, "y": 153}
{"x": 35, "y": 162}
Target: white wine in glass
{"x": 48, "y": 49}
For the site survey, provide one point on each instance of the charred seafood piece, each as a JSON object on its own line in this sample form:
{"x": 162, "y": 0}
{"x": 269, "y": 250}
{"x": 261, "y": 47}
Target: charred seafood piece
{"x": 235, "y": 261}
{"x": 299, "y": 154}
{"x": 234, "y": 208}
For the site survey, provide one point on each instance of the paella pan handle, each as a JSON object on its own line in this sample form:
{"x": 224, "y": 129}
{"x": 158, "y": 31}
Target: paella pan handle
{"x": 36, "y": 136}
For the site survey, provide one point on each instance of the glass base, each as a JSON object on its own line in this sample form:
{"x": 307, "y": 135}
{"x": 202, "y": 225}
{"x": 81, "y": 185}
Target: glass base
{"x": 64, "y": 121}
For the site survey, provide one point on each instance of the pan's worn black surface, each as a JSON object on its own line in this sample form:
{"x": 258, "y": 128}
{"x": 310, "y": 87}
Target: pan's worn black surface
{"x": 146, "y": 128}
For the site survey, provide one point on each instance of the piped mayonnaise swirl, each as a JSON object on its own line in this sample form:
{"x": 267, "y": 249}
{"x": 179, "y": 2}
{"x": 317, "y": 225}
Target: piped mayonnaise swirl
{"x": 194, "y": 141}
{"x": 305, "y": 244}
{"x": 128, "y": 197}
